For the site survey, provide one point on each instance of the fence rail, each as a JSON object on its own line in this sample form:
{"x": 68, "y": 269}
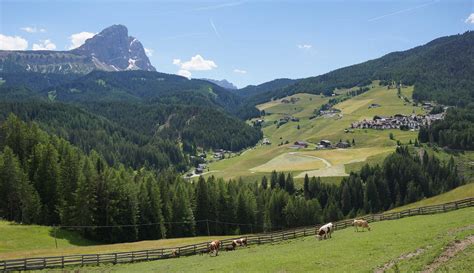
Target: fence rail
{"x": 257, "y": 239}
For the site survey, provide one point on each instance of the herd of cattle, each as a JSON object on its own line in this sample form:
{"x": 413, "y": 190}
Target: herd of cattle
{"x": 323, "y": 232}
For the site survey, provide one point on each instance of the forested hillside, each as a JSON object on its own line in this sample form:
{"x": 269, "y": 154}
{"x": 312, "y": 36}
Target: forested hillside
{"x": 456, "y": 131}
{"x": 115, "y": 142}
{"x": 133, "y": 117}
{"x": 441, "y": 70}
{"x": 46, "y": 180}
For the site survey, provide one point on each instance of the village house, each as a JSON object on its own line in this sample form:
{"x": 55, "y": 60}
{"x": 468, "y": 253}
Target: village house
{"x": 324, "y": 144}
{"x": 301, "y": 144}
{"x": 266, "y": 141}
{"x": 343, "y": 145}
{"x": 374, "y": 105}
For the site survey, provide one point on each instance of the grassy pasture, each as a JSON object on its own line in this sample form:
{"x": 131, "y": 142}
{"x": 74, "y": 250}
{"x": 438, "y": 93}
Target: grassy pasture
{"x": 371, "y": 145}
{"x": 16, "y": 237}
{"x": 347, "y": 251}
{"x": 458, "y": 193}
{"x": 20, "y": 241}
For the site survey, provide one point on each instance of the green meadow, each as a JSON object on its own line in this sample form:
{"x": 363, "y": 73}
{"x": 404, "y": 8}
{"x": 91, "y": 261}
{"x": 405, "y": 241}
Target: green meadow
{"x": 371, "y": 146}
{"x": 347, "y": 251}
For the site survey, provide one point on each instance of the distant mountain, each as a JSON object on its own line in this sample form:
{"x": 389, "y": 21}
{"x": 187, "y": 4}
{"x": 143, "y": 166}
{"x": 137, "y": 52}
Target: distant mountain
{"x": 222, "y": 83}
{"x": 440, "y": 70}
{"x": 252, "y": 90}
{"x": 110, "y": 50}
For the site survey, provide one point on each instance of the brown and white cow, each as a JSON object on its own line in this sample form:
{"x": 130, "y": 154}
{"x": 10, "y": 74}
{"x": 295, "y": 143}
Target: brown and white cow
{"x": 239, "y": 242}
{"x": 325, "y": 231}
{"x": 214, "y": 247}
{"x": 360, "y": 223}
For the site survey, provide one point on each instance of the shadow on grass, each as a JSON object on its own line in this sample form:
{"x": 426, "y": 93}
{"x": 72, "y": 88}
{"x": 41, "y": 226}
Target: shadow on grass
{"x": 73, "y": 237}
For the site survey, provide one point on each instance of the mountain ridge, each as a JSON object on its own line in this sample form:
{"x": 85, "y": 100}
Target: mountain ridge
{"x": 110, "y": 50}
{"x": 440, "y": 70}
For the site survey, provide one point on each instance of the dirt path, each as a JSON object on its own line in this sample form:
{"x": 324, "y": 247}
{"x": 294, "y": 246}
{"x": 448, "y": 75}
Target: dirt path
{"x": 327, "y": 163}
{"x": 450, "y": 251}
{"x": 390, "y": 264}
{"x": 198, "y": 175}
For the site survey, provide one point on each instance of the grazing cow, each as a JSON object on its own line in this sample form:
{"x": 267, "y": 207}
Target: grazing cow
{"x": 360, "y": 223}
{"x": 214, "y": 247}
{"x": 325, "y": 231}
{"x": 175, "y": 253}
{"x": 230, "y": 247}
{"x": 240, "y": 242}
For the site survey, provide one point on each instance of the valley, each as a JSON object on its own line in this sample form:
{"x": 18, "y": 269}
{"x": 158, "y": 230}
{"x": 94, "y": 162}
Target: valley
{"x": 281, "y": 155}
{"x": 102, "y": 151}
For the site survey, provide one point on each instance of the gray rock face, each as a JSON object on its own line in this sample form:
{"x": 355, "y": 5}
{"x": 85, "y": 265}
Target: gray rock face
{"x": 114, "y": 49}
{"x": 110, "y": 50}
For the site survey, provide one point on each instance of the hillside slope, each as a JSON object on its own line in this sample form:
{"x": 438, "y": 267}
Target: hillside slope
{"x": 347, "y": 251}
{"x": 440, "y": 70}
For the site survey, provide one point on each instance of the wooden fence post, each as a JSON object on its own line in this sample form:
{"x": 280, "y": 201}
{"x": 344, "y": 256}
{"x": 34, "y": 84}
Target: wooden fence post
{"x": 97, "y": 259}
{"x": 147, "y": 255}
{"x": 115, "y": 258}
{"x": 62, "y": 261}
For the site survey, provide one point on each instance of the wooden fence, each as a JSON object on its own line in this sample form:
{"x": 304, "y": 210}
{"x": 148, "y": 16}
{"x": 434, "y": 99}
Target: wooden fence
{"x": 164, "y": 253}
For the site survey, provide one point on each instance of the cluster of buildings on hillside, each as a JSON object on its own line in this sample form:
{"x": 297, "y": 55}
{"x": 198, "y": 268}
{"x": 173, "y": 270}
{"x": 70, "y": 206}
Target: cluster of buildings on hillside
{"x": 286, "y": 119}
{"x": 398, "y": 121}
{"x": 323, "y": 144}
{"x": 291, "y": 100}
{"x": 326, "y": 144}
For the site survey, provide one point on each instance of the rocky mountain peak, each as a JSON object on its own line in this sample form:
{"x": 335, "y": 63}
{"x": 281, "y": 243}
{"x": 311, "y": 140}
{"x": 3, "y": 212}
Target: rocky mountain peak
{"x": 112, "y": 49}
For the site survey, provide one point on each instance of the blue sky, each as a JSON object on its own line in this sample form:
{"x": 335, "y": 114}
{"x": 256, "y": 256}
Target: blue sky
{"x": 245, "y": 42}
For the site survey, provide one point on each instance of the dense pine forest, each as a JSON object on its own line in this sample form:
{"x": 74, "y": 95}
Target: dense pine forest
{"x": 456, "y": 131}
{"x": 134, "y": 117}
{"x": 46, "y": 180}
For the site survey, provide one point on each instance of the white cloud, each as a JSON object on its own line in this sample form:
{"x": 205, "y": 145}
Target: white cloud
{"x": 305, "y": 46}
{"x": 470, "y": 19}
{"x": 80, "y": 38}
{"x": 240, "y": 71}
{"x": 149, "y": 52}
{"x": 197, "y": 63}
{"x": 12, "y": 43}
{"x": 33, "y": 29}
{"x": 184, "y": 73}
{"x": 44, "y": 45}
